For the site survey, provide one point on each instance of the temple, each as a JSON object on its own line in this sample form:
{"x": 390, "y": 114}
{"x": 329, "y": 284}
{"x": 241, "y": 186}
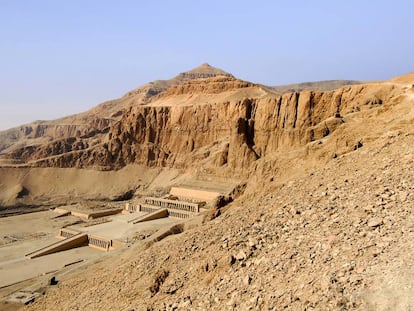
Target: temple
{"x": 110, "y": 233}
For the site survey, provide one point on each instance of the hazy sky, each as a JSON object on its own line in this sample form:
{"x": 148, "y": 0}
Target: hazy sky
{"x": 63, "y": 57}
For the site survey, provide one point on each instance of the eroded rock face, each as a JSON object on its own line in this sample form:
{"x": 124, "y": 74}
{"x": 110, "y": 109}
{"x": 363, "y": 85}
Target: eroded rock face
{"x": 98, "y": 118}
{"x": 41, "y": 133}
{"x": 231, "y": 133}
{"x": 214, "y": 85}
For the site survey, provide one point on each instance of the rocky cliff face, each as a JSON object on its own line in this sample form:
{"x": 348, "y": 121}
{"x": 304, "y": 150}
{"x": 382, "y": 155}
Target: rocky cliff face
{"x": 235, "y": 133}
{"x": 54, "y": 131}
{"x": 99, "y": 117}
{"x": 214, "y": 85}
{"x": 223, "y": 134}
{"x": 41, "y": 133}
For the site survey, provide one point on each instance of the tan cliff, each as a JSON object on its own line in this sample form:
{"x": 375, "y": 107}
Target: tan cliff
{"x": 240, "y": 123}
{"x": 98, "y": 118}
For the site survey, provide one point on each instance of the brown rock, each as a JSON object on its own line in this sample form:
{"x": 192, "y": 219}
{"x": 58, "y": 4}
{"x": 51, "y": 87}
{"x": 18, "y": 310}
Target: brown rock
{"x": 246, "y": 280}
{"x": 241, "y": 255}
{"x": 374, "y": 222}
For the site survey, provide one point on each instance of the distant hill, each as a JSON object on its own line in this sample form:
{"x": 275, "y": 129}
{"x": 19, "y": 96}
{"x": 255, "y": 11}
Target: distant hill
{"x": 313, "y": 86}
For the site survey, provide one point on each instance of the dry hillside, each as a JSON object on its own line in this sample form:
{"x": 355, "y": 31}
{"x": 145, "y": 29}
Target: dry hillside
{"x": 335, "y": 237}
{"x": 324, "y": 223}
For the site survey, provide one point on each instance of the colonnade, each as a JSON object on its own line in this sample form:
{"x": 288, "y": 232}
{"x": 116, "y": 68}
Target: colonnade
{"x": 173, "y": 204}
{"x": 178, "y": 214}
{"x": 66, "y": 233}
{"x": 147, "y": 208}
{"x": 99, "y": 242}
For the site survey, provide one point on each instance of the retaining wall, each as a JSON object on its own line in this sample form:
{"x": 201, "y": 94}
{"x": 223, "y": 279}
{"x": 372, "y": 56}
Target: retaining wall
{"x": 201, "y": 195}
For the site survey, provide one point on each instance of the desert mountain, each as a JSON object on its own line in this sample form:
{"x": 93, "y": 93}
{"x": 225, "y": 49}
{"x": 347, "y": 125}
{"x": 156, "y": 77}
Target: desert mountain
{"x": 321, "y": 220}
{"x": 223, "y": 122}
{"x": 97, "y": 119}
{"x": 325, "y": 222}
{"x": 208, "y": 121}
{"x": 314, "y": 86}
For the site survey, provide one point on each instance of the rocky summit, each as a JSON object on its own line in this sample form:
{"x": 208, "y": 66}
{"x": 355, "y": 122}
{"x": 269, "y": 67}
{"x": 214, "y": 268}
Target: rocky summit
{"x": 319, "y": 215}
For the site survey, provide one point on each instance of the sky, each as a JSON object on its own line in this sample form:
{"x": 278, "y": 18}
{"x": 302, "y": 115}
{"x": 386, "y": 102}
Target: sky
{"x": 64, "y": 57}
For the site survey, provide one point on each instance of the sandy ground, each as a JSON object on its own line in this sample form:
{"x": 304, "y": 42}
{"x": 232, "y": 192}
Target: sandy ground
{"x": 21, "y": 269}
{"x": 51, "y": 186}
{"x": 22, "y": 234}
{"x": 119, "y": 228}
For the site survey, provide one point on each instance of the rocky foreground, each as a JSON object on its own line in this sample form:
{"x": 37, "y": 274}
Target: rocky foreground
{"x": 339, "y": 237}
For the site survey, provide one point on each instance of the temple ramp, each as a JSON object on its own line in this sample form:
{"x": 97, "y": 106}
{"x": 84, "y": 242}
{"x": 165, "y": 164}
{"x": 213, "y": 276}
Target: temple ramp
{"x": 78, "y": 240}
{"x": 157, "y": 214}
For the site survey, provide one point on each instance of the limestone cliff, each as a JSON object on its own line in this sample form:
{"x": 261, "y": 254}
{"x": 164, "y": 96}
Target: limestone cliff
{"x": 98, "y": 118}
{"x": 241, "y": 122}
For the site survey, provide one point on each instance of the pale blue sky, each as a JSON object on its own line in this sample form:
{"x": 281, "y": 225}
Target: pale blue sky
{"x": 63, "y": 57}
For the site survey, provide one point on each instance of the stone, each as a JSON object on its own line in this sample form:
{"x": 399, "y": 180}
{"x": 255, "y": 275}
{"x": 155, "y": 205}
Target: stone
{"x": 246, "y": 280}
{"x": 53, "y": 281}
{"x": 252, "y": 243}
{"x": 241, "y": 255}
{"x": 230, "y": 260}
{"x": 375, "y": 222}
{"x": 403, "y": 195}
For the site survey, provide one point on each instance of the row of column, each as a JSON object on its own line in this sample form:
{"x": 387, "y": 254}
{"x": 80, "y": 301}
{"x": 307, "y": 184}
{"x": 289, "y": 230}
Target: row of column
{"x": 176, "y": 205}
{"x": 66, "y": 234}
{"x": 172, "y": 213}
{"x": 148, "y": 209}
{"x": 99, "y": 243}
{"x": 178, "y": 215}
{"x": 132, "y": 208}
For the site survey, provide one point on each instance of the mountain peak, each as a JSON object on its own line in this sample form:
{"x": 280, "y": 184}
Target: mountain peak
{"x": 205, "y": 65}
{"x": 204, "y": 71}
